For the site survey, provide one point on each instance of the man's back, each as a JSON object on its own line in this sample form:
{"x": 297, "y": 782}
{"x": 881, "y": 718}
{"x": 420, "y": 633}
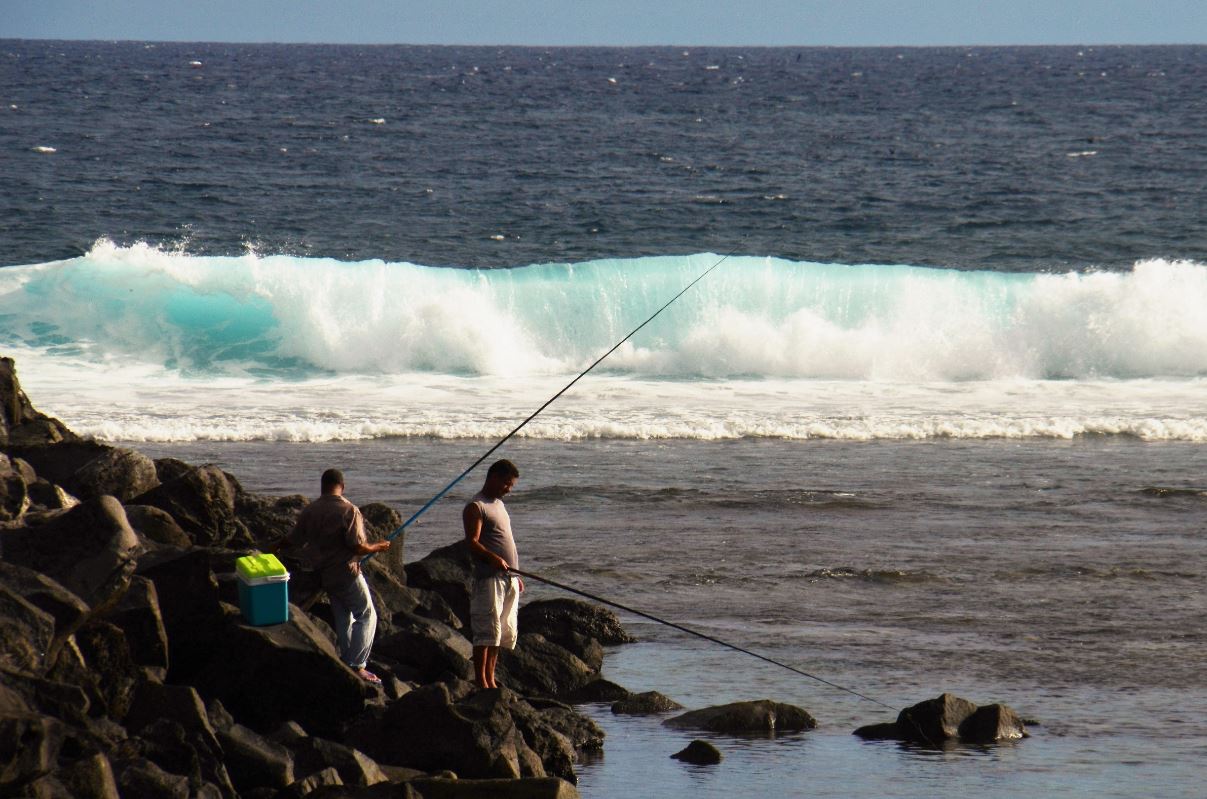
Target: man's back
{"x": 328, "y": 533}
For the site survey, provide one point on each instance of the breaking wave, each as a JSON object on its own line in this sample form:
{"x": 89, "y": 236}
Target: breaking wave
{"x": 752, "y": 318}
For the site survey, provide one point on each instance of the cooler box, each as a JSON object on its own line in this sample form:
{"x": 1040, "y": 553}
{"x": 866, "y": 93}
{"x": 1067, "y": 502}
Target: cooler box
{"x": 263, "y": 589}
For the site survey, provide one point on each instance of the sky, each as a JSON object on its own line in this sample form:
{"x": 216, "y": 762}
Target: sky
{"x": 616, "y": 22}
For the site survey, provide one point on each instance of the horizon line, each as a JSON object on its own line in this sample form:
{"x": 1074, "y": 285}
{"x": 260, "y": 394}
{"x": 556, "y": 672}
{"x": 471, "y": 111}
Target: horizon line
{"x": 670, "y": 45}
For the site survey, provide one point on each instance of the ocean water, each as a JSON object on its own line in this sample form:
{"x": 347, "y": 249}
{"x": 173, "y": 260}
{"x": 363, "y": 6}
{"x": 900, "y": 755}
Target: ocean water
{"x": 935, "y": 422}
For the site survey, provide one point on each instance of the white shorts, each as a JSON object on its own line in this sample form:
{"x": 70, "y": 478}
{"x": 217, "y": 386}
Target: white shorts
{"x": 494, "y": 606}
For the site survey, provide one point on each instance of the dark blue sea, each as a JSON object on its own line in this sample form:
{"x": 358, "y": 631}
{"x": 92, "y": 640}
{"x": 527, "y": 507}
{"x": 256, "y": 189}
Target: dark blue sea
{"x": 935, "y": 422}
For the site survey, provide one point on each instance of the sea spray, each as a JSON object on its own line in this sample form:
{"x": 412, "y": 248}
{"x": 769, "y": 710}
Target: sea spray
{"x": 134, "y": 343}
{"x": 753, "y": 318}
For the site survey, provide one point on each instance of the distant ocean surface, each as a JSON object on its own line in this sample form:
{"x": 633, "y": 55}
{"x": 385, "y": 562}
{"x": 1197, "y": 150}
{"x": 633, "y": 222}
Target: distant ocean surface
{"x": 936, "y": 421}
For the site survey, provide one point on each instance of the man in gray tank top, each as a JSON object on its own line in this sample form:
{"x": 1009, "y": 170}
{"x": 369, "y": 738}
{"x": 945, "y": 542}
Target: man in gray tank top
{"x": 495, "y": 600}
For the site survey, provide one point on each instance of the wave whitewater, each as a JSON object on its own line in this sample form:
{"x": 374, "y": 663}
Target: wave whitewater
{"x": 287, "y": 316}
{"x": 137, "y": 344}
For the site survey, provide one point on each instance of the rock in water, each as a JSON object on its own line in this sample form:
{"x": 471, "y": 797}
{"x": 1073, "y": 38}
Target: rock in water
{"x": 948, "y": 718}
{"x": 991, "y": 723}
{"x": 645, "y": 704}
{"x": 759, "y": 716}
{"x": 575, "y": 625}
{"x": 699, "y": 753}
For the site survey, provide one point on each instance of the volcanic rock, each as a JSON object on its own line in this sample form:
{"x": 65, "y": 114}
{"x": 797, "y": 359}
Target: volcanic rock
{"x": 427, "y": 729}
{"x": 20, "y": 424}
{"x": 139, "y": 616}
{"x": 448, "y": 572}
{"x": 111, "y": 675}
{"x": 699, "y": 753}
{"x": 254, "y": 761}
{"x": 202, "y": 501}
{"x": 90, "y": 777}
{"x": 949, "y": 718}
{"x": 430, "y": 648}
{"x": 47, "y": 495}
{"x": 279, "y": 672}
{"x": 142, "y": 778}
{"x": 156, "y": 525}
{"x": 14, "y": 491}
{"x": 599, "y": 690}
{"x": 559, "y": 619}
{"x": 645, "y": 704}
{"x": 992, "y": 723}
{"x": 26, "y": 632}
{"x": 537, "y": 667}
{"x": 353, "y": 766}
{"x": 29, "y": 748}
{"x": 44, "y": 593}
{"x": 122, "y": 473}
{"x": 89, "y": 549}
{"x": 740, "y": 717}
{"x": 528, "y": 788}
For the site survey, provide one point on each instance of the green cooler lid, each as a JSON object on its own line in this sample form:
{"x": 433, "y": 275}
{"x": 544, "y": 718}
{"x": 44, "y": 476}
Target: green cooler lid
{"x": 252, "y": 567}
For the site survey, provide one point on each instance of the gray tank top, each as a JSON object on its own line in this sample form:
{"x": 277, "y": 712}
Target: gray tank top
{"x": 496, "y": 534}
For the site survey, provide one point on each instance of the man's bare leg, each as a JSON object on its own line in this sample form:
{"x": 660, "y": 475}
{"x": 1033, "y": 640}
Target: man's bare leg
{"x": 492, "y": 660}
{"x": 480, "y": 674}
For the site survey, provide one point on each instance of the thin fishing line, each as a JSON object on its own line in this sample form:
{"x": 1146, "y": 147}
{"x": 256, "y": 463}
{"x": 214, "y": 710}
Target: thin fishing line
{"x": 549, "y": 402}
{"x": 690, "y": 631}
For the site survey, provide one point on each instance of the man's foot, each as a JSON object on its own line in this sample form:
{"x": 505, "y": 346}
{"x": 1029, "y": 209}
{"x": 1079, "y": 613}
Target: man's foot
{"x": 368, "y": 676}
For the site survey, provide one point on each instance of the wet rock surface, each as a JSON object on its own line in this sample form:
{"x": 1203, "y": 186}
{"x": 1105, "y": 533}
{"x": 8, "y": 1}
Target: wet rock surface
{"x": 948, "y": 718}
{"x": 699, "y": 753}
{"x": 761, "y": 715}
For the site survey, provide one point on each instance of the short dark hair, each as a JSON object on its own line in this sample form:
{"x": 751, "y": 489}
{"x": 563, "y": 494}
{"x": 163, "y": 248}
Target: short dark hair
{"x": 332, "y": 478}
{"x": 502, "y": 468}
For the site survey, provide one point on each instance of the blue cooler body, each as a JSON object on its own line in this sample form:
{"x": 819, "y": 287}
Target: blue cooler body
{"x": 263, "y": 590}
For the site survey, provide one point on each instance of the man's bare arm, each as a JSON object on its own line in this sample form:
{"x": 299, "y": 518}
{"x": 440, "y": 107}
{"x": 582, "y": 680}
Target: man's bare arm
{"x": 471, "y": 518}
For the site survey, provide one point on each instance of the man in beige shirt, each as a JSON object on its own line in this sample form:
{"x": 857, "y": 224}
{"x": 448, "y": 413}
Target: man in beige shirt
{"x": 329, "y": 537}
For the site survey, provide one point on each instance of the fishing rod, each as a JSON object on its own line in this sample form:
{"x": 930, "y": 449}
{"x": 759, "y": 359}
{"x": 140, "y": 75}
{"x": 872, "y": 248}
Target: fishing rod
{"x": 549, "y": 402}
{"x": 690, "y": 631}
{"x": 593, "y": 597}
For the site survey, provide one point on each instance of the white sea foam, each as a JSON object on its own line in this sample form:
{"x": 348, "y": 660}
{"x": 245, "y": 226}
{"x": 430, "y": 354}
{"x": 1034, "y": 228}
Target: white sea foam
{"x": 134, "y": 402}
{"x": 138, "y": 343}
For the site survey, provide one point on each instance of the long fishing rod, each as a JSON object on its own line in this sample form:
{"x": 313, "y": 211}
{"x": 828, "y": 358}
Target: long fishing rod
{"x": 690, "y": 631}
{"x": 549, "y": 402}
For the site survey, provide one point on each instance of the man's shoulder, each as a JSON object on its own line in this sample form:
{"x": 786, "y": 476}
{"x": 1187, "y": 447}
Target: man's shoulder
{"x": 330, "y": 503}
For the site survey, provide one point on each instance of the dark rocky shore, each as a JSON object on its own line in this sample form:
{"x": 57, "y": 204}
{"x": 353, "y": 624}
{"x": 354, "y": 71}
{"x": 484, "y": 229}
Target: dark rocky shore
{"x": 127, "y": 669}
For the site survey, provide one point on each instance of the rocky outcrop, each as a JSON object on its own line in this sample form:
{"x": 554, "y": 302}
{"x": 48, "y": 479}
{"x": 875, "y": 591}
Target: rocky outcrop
{"x": 14, "y": 490}
{"x": 126, "y": 668}
{"x": 949, "y": 718}
{"x": 537, "y": 667}
{"x": 90, "y": 549}
{"x": 479, "y": 734}
{"x": 446, "y": 571}
{"x": 122, "y": 473}
{"x": 20, "y": 424}
{"x": 761, "y": 715}
{"x": 202, "y": 501}
{"x": 563, "y": 621}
